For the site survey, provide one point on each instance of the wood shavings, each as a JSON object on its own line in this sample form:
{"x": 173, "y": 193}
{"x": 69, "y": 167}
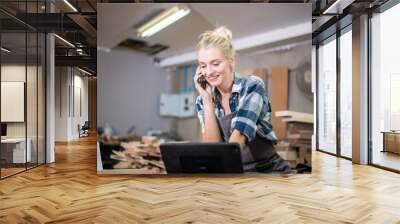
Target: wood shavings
{"x": 144, "y": 157}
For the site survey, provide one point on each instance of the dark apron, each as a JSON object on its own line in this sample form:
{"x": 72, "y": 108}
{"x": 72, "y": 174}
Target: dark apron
{"x": 257, "y": 152}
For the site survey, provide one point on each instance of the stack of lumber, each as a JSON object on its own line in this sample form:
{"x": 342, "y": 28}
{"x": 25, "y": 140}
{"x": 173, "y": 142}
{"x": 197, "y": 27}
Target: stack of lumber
{"x": 145, "y": 157}
{"x": 293, "y": 116}
{"x": 296, "y": 146}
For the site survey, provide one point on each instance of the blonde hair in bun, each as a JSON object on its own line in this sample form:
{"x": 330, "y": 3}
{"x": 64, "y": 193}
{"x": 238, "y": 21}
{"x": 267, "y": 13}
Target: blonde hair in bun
{"x": 220, "y": 37}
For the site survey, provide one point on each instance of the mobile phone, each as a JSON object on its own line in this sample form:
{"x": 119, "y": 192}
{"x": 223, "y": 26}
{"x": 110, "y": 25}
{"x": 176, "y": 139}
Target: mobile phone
{"x": 202, "y": 81}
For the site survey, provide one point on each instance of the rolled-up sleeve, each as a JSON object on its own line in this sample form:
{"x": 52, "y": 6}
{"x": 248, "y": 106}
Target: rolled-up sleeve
{"x": 200, "y": 111}
{"x": 249, "y": 109}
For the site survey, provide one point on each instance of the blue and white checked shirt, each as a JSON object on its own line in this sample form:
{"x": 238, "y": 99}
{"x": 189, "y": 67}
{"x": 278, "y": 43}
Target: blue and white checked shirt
{"x": 251, "y": 104}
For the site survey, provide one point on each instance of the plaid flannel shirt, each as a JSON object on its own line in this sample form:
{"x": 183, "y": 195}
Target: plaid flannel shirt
{"x": 250, "y": 103}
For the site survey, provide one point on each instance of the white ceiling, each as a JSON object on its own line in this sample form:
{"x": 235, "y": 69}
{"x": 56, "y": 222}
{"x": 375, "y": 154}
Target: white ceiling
{"x": 116, "y": 22}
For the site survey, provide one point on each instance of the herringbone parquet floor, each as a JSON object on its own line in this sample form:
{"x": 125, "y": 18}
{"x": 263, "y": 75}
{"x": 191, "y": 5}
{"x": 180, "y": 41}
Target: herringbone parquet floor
{"x": 70, "y": 191}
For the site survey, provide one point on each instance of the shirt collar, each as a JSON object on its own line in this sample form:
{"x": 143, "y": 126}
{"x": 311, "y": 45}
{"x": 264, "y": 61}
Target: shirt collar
{"x": 237, "y": 86}
{"x": 237, "y": 83}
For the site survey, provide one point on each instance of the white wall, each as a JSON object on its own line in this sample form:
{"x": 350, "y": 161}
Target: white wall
{"x": 129, "y": 86}
{"x": 78, "y": 117}
{"x": 67, "y": 80}
{"x": 12, "y": 73}
{"x": 61, "y": 103}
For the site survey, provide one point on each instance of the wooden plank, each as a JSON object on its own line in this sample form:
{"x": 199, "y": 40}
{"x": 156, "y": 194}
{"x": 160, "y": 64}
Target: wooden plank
{"x": 294, "y": 116}
{"x": 392, "y": 142}
{"x": 303, "y": 135}
{"x": 296, "y": 119}
{"x": 279, "y": 97}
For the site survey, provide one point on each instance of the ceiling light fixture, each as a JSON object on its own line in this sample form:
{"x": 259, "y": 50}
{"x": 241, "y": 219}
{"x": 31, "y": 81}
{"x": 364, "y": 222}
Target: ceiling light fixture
{"x": 326, "y": 11}
{"x": 337, "y": 7}
{"x": 5, "y": 49}
{"x": 164, "y": 19}
{"x": 70, "y": 5}
{"x": 84, "y": 71}
{"x": 65, "y": 41}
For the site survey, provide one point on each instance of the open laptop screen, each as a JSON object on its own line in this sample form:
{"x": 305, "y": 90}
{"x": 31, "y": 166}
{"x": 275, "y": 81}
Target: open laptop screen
{"x": 202, "y": 157}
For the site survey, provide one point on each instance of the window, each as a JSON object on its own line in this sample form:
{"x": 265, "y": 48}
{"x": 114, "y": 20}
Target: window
{"x": 385, "y": 88}
{"x": 346, "y": 92}
{"x": 327, "y": 96}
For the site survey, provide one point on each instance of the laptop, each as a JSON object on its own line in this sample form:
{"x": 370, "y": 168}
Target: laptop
{"x": 202, "y": 157}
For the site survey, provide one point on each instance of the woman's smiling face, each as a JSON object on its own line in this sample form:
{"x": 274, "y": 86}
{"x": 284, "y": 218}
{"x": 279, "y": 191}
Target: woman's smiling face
{"x": 214, "y": 65}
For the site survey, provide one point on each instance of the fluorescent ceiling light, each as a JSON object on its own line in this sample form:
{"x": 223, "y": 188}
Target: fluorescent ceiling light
{"x": 70, "y": 5}
{"x": 5, "y": 49}
{"x": 163, "y": 20}
{"x": 338, "y": 6}
{"x": 65, "y": 41}
{"x": 331, "y": 7}
{"x": 84, "y": 71}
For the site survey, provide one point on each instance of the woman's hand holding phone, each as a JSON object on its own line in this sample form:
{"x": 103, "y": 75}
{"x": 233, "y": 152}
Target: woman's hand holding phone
{"x": 201, "y": 84}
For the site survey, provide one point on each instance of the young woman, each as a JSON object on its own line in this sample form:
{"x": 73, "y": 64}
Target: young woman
{"x": 233, "y": 108}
